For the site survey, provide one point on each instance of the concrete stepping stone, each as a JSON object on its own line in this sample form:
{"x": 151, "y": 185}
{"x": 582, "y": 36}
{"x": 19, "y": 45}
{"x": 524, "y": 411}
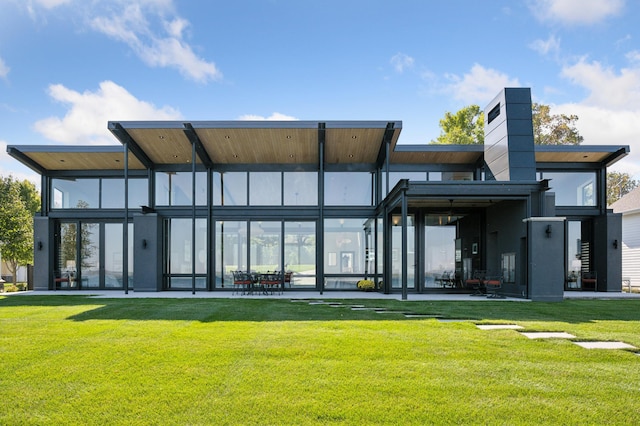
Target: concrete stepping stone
{"x": 411, "y": 315}
{"x": 548, "y": 335}
{"x": 605, "y": 345}
{"x": 499, "y": 326}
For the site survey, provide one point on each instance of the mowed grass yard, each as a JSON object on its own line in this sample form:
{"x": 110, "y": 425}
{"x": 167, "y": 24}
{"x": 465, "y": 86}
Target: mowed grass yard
{"x": 78, "y": 360}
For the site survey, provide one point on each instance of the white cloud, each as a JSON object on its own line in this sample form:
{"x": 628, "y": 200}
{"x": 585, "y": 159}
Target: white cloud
{"x": 633, "y": 57}
{"x": 607, "y": 88}
{"x": 276, "y": 116}
{"x": 50, "y": 4}
{"x": 157, "y": 48}
{"x": 545, "y": 47}
{"x": 604, "y": 126}
{"x": 86, "y": 120}
{"x": 480, "y": 85}
{"x": 576, "y": 12}
{"x": 610, "y": 112}
{"x": 151, "y": 29}
{"x": 401, "y": 61}
{"x": 4, "y": 69}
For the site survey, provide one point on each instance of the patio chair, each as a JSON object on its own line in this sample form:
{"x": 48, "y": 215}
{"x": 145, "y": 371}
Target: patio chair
{"x": 492, "y": 285}
{"x": 590, "y": 281}
{"x": 241, "y": 282}
{"x": 272, "y": 281}
{"x": 61, "y": 279}
{"x": 476, "y": 282}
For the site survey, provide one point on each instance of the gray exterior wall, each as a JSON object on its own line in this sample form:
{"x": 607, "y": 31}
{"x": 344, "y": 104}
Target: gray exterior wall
{"x": 505, "y": 232}
{"x": 509, "y": 149}
{"x": 42, "y": 258}
{"x": 607, "y": 259}
{"x": 545, "y": 269}
{"x": 147, "y": 252}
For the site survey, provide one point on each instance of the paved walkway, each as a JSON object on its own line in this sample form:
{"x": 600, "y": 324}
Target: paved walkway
{"x": 314, "y": 295}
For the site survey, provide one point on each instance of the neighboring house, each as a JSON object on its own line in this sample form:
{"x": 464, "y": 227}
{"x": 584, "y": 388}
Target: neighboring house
{"x": 629, "y": 207}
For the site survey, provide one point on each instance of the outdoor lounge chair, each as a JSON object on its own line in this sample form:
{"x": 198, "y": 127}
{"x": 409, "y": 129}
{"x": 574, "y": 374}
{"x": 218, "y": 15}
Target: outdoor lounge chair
{"x": 590, "y": 281}
{"x": 492, "y": 285}
{"x": 476, "y": 282}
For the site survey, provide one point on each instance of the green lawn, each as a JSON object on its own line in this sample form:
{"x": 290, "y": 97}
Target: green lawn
{"x": 76, "y": 360}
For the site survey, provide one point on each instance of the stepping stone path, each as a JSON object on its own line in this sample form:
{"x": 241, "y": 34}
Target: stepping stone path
{"x": 365, "y": 308}
{"x": 558, "y": 335}
{"x": 530, "y": 335}
{"x": 499, "y": 326}
{"x": 605, "y": 345}
{"x": 548, "y": 335}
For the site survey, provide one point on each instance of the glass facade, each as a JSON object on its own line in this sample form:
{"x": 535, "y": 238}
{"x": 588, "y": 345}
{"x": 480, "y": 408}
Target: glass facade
{"x": 86, "y": 193}
{"x": 175, "y": 188}
{"x": 345, "y": 241}
{"x": 181, "y": 258}
{"x": 573, "y": 188}
{"x": 348, "y": 189}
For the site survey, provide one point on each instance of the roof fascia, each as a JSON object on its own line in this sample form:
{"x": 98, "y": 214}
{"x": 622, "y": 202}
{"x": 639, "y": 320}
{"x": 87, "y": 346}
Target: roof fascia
{"x": 24, "y": 159}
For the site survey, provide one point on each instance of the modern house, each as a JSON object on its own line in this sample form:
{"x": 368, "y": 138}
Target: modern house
{"x": 332, "y": 202}
{"x": 629, "y": 207}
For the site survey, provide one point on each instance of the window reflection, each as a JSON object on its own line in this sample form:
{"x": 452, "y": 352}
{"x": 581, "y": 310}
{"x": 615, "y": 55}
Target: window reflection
{"x": 573, "y": 189}
{"x": 348, "y": 189}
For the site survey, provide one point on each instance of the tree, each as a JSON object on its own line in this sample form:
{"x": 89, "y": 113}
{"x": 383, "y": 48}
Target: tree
{"x": 618, "y": 185}
{"x": 465, "y": 127}
{"x": 18, "y": 203}
{"x": 556, "y": 129}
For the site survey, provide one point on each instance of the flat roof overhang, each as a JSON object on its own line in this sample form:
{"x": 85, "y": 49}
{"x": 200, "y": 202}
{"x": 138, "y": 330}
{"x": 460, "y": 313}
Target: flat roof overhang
{"x": 45, "y": 159}
{"x": 457, "y": 195}
{"x": 257, "y": 142}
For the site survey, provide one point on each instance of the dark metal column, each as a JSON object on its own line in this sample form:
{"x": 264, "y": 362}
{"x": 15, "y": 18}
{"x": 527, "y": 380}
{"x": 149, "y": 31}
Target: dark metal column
{"x": 404, "y": 245}
{"x": 193, "y": 218}
{"x": 125, "y": 225}
{"x": 320, "y": 230}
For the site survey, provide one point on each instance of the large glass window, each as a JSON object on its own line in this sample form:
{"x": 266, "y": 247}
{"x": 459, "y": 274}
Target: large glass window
{"x": 573, "y": 188}
{"x": 265, "y": 246}
{"x": 180, "y": 261}
{"x": 344, "y": 252}
{"x": 265, "y": 188}
{"x": 397, "y": 254}
{"x": 300, "y": 254}
{"x": 300, "y": 188}
{"x": 75, "y": 193}
{"x": 348, "y": 189}
{"x": 231, "y": 250}
{"x": 175, "y": 188}
{"x": 230, "y": 189}
{"x": 113, "y": 190}
{"x": 439, "y": 256}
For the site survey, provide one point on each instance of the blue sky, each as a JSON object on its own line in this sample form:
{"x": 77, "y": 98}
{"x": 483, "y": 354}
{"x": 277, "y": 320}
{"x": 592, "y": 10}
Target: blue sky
{"x": 69, "y": 66}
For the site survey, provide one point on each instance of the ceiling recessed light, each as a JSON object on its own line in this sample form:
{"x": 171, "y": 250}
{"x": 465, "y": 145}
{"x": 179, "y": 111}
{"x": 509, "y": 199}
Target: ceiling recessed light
{"x": 350, "y": 155}
{"x": 354, "y": 137}
{"x": 290, "y": 155}
{"x": 160, "y": 137}
{"x": 175, "y": 156}
{"x": 288, "y": 137}
{"x": 62, "y": 161}
{"x": 117, "y": 161}
{"x": 235, "y": 155}
{"x": 227, "y": 137}
{"x": 585, "y": 156}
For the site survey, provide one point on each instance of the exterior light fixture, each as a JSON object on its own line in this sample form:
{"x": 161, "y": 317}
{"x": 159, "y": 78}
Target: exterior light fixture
{"x": 548, "y": 231}
{"x": 615, "y": 244}
{"x": 144, "y": 243}
{"x": 39, "y": 245}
